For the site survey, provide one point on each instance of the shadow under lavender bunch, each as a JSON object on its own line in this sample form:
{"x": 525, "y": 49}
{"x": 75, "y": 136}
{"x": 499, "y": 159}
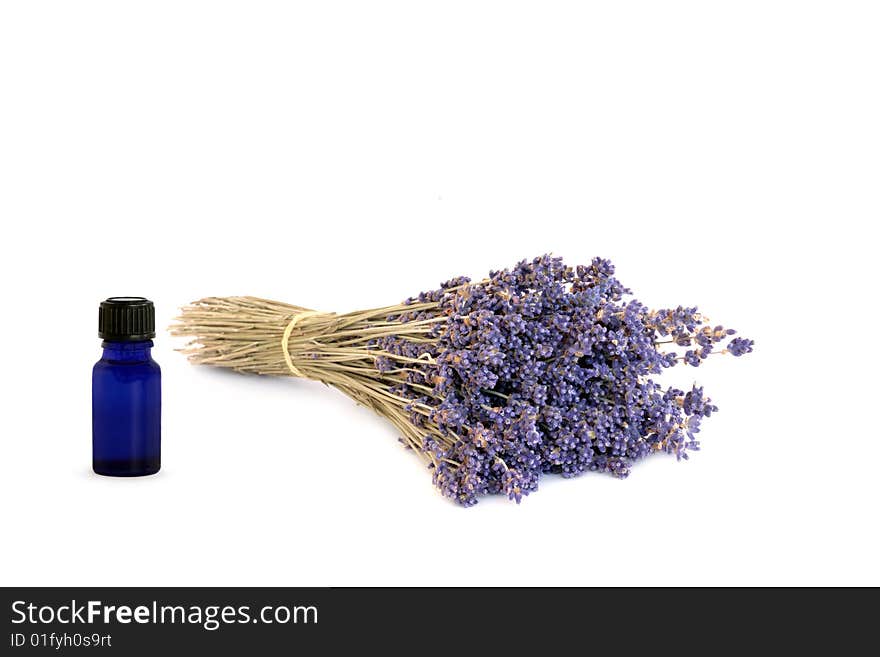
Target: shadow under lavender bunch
{"x": 541, "y": 368}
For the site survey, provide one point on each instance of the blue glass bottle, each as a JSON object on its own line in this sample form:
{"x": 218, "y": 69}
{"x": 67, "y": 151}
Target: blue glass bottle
{"x": 126, "y": 391}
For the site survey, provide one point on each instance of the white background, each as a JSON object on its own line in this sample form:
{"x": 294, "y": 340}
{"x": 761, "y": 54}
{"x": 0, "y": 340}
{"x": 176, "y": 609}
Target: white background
{"x": 345, "y": 155}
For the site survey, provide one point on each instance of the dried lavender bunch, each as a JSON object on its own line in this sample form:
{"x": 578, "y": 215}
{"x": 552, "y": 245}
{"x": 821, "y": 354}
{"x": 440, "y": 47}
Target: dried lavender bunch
{"x": 541, "y": 368}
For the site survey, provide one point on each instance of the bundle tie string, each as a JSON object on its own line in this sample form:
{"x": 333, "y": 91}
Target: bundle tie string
{"x": 286, "y": 338}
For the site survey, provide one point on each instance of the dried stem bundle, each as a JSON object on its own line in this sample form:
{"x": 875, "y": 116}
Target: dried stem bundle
{"x": 259, "y": 336}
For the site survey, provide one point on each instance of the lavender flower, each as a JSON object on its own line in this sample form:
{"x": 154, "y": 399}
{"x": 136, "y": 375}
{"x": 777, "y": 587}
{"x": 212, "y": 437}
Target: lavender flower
{"x": 740, "y": 346}
{"x": 546, "y": 369}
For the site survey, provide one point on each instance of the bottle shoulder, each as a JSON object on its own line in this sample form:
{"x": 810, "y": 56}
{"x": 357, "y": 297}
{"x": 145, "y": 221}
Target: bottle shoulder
{"x": 107, "y": 364}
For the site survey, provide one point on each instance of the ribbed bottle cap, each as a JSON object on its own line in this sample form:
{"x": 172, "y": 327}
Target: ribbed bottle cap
{"x": 127, "y": 319}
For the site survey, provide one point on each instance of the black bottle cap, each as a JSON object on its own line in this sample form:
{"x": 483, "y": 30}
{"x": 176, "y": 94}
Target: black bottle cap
{"x": 127, "y": 319}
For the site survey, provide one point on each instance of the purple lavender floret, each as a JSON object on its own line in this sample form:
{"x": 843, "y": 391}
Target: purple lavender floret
{"x": 545, "y": 368}
{"x": 740, "y": 346}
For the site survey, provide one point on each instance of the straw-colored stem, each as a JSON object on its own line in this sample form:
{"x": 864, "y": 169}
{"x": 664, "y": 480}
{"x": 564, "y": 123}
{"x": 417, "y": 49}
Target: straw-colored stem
{"x": 247, "y": 334}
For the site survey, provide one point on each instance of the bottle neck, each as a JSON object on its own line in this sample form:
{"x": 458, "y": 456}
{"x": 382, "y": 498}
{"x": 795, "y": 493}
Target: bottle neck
{"x": 130, "y": 352}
